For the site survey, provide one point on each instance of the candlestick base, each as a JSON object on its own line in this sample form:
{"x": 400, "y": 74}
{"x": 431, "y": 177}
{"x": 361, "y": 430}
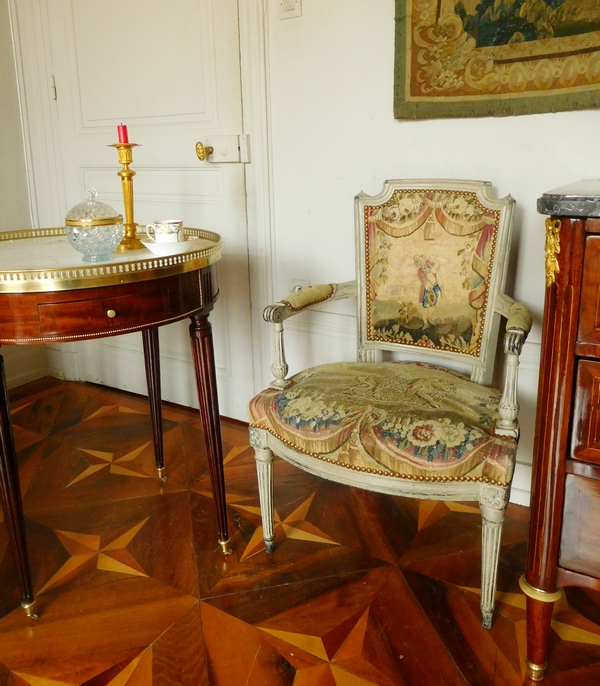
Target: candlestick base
{"x": 130, "y": 240}
{"x": 129, "y": 244}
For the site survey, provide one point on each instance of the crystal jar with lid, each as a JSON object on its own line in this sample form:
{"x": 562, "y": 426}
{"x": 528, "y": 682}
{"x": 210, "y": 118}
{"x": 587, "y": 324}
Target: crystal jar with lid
{"x": 94, "y": 228}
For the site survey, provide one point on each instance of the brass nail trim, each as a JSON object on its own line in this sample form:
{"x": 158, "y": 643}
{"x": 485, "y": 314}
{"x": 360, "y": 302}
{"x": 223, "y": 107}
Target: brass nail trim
{"x": 537, "y": 593}
{"x": 380, "y": 472}
{"x": 107, "y": 221}
{"x": 552, "y": 248}
{"x": 105, "y": 274}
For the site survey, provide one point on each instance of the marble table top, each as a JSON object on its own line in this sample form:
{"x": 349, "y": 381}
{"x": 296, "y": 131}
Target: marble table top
{"x": 579, "y": 199}
{"x": 44, "y": 260}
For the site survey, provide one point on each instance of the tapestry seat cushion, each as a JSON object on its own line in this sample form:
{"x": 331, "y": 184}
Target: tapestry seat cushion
{"x": 403, "y": 419}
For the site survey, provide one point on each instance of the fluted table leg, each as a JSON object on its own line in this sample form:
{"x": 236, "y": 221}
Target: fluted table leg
{"x": 10, "y": 494}
{"x": 206, "y": 380}
{"x": 152, "y": 363}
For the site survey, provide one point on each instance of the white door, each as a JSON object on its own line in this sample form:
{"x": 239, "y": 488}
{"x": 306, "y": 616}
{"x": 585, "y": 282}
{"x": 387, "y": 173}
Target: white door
{"x": 170, "y": 71}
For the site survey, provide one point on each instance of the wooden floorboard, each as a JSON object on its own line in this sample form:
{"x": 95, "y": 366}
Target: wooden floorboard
{"x": 363, "y": 589}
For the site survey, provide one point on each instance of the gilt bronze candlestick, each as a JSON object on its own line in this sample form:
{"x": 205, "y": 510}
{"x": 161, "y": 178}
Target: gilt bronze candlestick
{"x": 130, "y": 240}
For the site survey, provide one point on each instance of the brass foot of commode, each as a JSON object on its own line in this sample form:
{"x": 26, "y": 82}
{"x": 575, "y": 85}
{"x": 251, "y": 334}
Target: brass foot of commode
{"x": 28, "y": 607}
{"x": 535, "y": 672}
{"x": 225, "y": 547}
{"x": 161, "y": 474}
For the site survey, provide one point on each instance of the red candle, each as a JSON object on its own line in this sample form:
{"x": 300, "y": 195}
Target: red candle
{"x": 122, "y": 132}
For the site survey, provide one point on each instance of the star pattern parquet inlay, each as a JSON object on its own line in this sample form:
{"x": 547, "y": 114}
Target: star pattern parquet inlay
{"x": 363, "y": 589}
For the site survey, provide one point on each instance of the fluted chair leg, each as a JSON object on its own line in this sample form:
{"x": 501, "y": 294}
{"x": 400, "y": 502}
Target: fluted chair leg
{"x": 491, "y": 534}
{"x": 264, "y": 469}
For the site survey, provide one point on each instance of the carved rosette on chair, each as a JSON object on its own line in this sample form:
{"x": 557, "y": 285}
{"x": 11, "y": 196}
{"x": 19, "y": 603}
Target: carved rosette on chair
{"x": 432, "y": 263}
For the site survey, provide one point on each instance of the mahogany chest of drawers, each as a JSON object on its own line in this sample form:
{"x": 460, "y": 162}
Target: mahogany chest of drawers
{"x": 564, "y": 536}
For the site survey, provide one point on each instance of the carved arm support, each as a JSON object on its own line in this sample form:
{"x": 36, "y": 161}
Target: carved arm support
{"x": 517, "y": 327}
{"x": 288, "y": 307}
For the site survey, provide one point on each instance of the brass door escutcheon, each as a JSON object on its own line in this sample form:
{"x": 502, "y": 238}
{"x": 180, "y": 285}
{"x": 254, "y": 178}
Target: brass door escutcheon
{"x": 203, "y": 152}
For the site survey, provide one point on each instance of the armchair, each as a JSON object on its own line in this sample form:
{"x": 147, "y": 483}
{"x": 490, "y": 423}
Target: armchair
{"x": 432, "y": 259}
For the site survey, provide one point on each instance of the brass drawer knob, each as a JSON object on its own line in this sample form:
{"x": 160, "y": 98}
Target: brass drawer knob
{"x": 111, "y": 313}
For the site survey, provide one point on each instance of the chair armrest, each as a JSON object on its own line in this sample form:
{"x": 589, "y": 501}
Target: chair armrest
{"x": 307, "y": 297}
{"x": 288, "y": 307}
{"x": 518, "y": 325}
{"x": 519, "y": 317}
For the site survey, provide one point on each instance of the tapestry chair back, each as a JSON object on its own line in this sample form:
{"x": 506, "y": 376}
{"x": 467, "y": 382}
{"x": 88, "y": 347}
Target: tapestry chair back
{"x": 431, "y": 261}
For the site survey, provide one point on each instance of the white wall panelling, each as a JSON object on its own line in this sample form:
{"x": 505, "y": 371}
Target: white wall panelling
{"x": 141, "y": 85}
{"x": 31, "y": 36}
{"x": 22, "y": 363}
{"x": 256, "y": 107}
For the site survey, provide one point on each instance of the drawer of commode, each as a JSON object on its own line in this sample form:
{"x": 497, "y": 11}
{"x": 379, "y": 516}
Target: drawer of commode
{"x": 588, "y": 330}
{"x": 585, "y": 434}
{"x": 580, "y": 539}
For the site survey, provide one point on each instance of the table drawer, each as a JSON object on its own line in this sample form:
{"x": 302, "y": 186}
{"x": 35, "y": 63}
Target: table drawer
{"x": 89, "y": 316}
{"x": 150, "y": 303}
{"x": 580, "y": 537}
{"x": 87, "y": 313}
{"x": 585, "y": 435}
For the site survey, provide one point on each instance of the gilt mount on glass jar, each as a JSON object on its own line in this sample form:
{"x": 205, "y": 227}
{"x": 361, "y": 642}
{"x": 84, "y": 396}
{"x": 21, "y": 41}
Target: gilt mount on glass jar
{"x": 478, "y": 58}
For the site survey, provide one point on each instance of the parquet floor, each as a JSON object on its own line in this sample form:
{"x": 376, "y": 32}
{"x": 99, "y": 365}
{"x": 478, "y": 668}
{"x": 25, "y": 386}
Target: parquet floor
{"x": 133, "y": 590}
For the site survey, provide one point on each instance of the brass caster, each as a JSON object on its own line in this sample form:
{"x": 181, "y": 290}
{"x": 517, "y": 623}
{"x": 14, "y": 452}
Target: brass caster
{"x": 161, "y": 475}
{"x": 535, "y": 672}
{"x": 224, "y": 547}
{"x": 28, "y": 607}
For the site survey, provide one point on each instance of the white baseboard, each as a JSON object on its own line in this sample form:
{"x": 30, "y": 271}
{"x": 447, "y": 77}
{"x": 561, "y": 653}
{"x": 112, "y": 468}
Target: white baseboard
{"x": 520, "y": 493}
{"x": 63, "y": 361}
{"x": 24, "y": 363}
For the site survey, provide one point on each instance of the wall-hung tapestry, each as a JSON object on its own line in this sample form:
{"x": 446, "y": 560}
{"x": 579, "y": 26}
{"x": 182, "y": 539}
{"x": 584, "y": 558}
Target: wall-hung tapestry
{"x": 466, "y": 58}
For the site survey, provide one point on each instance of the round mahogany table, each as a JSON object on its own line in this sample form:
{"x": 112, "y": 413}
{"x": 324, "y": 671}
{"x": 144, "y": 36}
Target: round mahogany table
{"x": 49, "y": 295}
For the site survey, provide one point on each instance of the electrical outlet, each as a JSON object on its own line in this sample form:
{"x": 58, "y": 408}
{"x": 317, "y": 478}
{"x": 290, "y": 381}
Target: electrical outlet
{"x": 297, "y": 284}
{"x": 286, "y": 9}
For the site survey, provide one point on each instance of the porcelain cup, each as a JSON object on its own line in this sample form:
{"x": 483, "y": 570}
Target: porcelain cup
{"x": 166, "y": 231}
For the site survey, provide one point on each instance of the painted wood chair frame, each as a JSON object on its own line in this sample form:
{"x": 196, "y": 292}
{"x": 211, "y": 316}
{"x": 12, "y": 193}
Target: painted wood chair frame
{"x": 492, "y": 496}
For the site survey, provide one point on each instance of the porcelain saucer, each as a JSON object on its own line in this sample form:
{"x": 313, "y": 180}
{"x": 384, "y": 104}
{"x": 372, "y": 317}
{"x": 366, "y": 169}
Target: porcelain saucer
{"x": 167, "y": 249}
